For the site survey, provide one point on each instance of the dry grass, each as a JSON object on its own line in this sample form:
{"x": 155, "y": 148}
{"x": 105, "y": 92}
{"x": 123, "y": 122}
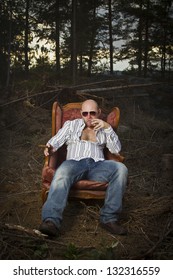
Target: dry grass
{"x": 148, "y": 202}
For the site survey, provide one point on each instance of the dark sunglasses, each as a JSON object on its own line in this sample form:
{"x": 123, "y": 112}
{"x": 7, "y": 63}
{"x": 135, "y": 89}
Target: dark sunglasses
{"x": 92, "y": 113}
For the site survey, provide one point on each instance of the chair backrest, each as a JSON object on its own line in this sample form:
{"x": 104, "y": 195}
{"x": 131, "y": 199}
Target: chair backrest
{"x": 71, "y": 111}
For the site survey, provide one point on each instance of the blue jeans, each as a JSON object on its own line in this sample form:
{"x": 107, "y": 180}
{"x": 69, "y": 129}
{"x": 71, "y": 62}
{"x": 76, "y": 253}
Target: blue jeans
{"x": 71, "y": 171}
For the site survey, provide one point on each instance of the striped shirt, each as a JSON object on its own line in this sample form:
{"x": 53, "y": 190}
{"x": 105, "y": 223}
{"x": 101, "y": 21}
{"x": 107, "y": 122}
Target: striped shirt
{"x": 77, "y": 149}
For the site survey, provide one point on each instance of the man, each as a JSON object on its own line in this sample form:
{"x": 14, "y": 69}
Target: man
{"x": 85, "y": 139}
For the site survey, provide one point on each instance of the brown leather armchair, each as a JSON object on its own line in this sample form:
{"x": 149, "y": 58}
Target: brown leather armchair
{"x": 83, "y": 189}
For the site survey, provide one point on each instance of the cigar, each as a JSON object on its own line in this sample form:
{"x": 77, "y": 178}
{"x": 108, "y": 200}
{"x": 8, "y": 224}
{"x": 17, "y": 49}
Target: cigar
{"x": 42, "y": 146}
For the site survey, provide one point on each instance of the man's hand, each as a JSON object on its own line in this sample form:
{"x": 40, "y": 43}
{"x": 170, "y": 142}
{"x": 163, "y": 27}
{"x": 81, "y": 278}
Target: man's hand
{"x": 98, "y": 123}
{"x": 48, "y": 150}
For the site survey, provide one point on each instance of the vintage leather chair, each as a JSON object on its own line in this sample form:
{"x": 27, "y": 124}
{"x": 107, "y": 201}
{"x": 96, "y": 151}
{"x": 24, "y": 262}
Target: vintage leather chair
{"x": 83, "y": 189}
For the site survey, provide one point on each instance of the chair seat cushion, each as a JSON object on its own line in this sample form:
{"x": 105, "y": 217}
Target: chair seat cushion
{"x": 48, "y": 173}
{"x": 90, "y": 185}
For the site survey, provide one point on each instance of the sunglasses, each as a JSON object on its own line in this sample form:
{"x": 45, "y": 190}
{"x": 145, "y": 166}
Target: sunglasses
{"x": 92, "y": 113}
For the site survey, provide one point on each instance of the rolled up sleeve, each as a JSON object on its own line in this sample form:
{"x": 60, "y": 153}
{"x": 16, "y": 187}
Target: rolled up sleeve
{"x": 112, "y": 140}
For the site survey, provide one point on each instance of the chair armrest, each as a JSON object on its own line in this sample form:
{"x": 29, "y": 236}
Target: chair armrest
{"x": 110, "y": 156}
{"x": 116, "y": 157}
{"x": 46, "y": 160}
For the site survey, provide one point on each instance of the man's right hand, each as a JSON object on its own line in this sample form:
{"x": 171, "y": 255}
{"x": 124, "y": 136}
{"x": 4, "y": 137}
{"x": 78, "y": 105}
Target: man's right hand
{"x": 48, "y": 150}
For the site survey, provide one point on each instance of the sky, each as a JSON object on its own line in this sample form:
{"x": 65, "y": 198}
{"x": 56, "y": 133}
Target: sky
{"x": 121, "y": 65}
{"x": 118, "y": 66}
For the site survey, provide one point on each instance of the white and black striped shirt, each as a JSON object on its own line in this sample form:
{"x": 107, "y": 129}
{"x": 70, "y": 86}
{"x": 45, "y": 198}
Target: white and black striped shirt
{"x": 77, "y": 149}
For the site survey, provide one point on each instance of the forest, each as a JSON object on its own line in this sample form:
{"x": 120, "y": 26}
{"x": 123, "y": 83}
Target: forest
{"x": 119, "y": 53}
{"x": 80, "y": 38}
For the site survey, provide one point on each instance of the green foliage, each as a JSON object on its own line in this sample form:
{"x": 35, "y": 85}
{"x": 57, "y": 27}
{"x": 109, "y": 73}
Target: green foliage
{"x": 72, "y": 252}
{"x": 103, "y": 253}
{"x": 41, "y": 251}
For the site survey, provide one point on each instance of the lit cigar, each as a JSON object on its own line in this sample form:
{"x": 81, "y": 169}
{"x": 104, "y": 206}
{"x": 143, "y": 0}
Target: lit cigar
{"x": 43, "y": 146}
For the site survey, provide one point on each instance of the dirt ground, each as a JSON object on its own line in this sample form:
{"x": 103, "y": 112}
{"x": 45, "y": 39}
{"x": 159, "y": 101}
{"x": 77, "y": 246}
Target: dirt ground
{"x": 148, "y": 202}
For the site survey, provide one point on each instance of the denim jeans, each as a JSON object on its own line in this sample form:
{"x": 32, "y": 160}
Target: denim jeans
{"x": 71, "y": 171}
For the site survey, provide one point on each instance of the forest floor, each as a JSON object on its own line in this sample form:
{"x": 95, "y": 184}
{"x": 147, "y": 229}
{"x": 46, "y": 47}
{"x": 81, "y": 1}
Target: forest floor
{"x": 148, "y": 202}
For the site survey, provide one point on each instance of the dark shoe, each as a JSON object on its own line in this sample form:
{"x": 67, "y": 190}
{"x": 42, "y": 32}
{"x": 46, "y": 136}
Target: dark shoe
{"x": 49, "y": 228}
{"x": 114, "y": 228}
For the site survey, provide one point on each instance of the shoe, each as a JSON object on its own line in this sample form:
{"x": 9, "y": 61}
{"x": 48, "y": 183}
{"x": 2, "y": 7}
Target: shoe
{"x": 114, "y": 228}
{"x": 49, "y": 228}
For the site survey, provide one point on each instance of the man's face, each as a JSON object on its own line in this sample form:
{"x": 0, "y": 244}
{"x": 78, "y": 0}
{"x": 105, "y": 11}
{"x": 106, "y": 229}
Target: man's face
{"x": 89, "y": 112}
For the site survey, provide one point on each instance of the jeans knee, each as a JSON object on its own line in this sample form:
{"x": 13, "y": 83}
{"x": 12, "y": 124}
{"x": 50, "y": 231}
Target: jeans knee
{"x": 122, "y": 170}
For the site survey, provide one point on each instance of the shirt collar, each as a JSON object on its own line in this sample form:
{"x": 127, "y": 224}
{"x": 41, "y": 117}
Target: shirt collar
{"x": 82, "y": 123}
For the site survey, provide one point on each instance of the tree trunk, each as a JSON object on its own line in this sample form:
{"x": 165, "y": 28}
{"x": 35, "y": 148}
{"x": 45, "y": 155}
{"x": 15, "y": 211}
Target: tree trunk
{"x": 110, "y": 37}
{"x": 73, "y": 36}
{"x": 9, "y": 48}
{"x": 26, "y": 38}
{"x": 92, "y": 42}
{"x": 146, "y": 40}
{"x": 80, "y": 64}
{"x": 139, "y": 56}
{"x": 57, "y": 51}
{"x": 163, "y": 58}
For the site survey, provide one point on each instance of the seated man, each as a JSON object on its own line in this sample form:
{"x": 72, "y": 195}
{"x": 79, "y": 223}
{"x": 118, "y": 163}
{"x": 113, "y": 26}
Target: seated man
{"x": 85, "y": 139}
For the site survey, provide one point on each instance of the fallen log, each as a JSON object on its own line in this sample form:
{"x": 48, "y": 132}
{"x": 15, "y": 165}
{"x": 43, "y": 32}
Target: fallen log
{"x": 33, "y": 232}
{"x": 116, "y": 87}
